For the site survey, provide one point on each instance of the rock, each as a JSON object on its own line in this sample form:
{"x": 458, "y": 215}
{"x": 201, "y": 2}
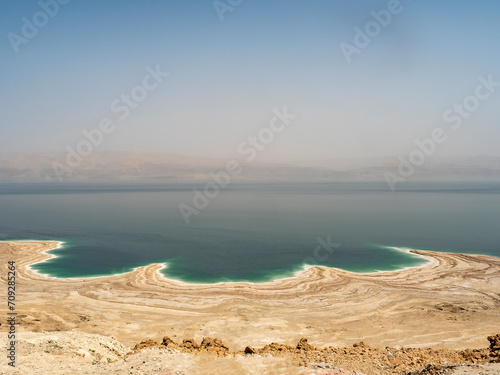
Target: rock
{"x": 169, "y": 343}
{"x": 494, "y": 348}
{"x": 250, "y": 350}
{"x": 275, "y": 347}
{"x": 474, "y": 355}
{"x": 211, "y": 344}
{"x": 396, "y": 362}
{"x": 360, "y": 344}
{"x": 189, "y": 344}
{"x": 146, "y": 344}
{"x": 304, "y": 345}
{"x": 494, "y": 342}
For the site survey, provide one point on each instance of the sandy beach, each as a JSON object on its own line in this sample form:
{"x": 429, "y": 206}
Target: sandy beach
{"x": 451, "y": 302}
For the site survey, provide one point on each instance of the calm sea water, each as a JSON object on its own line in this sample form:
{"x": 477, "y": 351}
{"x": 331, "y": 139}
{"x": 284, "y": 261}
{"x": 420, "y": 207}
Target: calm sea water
{"x": 251, "y": 231}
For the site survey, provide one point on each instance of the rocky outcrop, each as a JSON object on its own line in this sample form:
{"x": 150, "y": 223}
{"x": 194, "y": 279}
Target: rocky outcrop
{"x": 146, "y": 344}
{"x": 393, "y": 360}
{"x": 474, "y": 355}
{"x": 213, "y": 345}
{"x": 304, "y": 345}
{"x": 189, "y": 345}
{"x": 249, "y": 350}
{"x": 494, "y": 348}
{"x": 169, "y": 343}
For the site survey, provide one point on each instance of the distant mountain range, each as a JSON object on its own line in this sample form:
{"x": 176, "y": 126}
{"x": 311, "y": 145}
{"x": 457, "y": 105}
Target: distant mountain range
{"x": 141, "y": 166}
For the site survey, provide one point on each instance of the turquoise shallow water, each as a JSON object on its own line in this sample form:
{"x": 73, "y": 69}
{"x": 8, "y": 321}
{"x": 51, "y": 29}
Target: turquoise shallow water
{"x": 251, "y": 231}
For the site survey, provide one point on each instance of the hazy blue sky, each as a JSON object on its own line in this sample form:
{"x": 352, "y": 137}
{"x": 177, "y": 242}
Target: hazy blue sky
{"x": 227, "y": 76}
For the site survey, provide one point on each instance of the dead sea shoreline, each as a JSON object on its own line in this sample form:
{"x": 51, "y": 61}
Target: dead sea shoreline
{"x": 452, "y": 302}
{"x": 428, "y": 262}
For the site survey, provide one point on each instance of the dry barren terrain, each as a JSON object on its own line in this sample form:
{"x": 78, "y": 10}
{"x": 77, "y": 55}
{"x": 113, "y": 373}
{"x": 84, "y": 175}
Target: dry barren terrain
{"x": 453, "y": 302}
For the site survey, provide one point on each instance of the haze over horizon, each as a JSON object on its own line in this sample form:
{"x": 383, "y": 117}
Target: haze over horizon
{"x": 226, "y": 77}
